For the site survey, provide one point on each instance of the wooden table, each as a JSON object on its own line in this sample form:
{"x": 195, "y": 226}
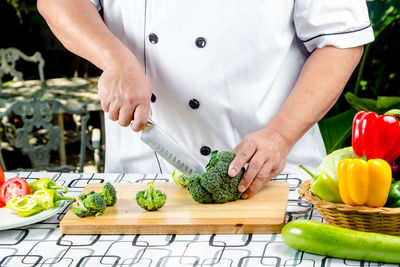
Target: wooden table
{"x": 42, "y": 244}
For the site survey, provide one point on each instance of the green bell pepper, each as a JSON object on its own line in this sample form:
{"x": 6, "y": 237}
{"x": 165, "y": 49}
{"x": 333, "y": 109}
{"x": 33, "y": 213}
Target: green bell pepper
{"x": 324, "y": 186}
{"x": 49, "y": 197}
{"x": 46, "y": 183}
{"x": 25, "y": 206}
{"x": 393, "y": 200}
{"x": 29, "y": 205}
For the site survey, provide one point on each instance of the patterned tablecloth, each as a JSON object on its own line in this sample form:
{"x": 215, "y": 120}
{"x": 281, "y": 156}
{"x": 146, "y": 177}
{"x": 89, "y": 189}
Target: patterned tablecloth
{"x": 42, "y": 244}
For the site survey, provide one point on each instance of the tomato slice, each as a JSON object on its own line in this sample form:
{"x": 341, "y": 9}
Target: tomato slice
{"x": 2, "y": 177}
{"x": 2, "y": 204}
{"x": 15, "y": 187}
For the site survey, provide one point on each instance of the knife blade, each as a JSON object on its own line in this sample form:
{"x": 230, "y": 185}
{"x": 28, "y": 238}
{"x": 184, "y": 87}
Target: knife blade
{"x": 170, "y": 150}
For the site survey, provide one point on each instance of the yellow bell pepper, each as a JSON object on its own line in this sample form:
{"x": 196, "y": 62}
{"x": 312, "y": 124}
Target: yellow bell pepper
{"x": 364, "y": 183}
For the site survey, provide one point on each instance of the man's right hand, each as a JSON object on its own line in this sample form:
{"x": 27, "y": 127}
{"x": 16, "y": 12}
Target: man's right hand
{"x": 125, "y": 93}
{"x": 124, "y": 89}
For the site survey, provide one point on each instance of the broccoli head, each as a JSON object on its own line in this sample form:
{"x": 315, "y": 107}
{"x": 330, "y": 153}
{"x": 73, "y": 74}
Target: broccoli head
{"x": 151, "y": 199}
{"x": 109, "y": 194}
{"x": 198, "y": 193}
{"x": 89, "y": 204}
{"x": 215, "y": 185}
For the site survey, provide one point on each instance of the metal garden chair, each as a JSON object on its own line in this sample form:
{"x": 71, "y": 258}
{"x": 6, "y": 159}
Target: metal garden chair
{"x": 9, "y": 57}
{"x": 31, "y": 126}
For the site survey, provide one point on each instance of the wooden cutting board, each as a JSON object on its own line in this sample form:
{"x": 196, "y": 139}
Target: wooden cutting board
{"x": 263, "y": 213}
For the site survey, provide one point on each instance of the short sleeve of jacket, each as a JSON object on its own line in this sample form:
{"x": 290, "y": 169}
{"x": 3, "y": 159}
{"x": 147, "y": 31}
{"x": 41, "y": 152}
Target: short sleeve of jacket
{"x": 340, "y": 23}
{"x": 96, "y": 3}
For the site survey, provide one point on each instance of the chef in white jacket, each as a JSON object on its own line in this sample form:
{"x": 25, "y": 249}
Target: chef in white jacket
{"x": 253, "y": 76}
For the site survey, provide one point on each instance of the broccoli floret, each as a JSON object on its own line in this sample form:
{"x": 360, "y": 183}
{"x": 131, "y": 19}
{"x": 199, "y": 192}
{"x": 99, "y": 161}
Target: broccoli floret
{"x": 215, "y": 185}
{"x": 89, "y": 204}
{"x": 151, "y": 199}
{"x": 79, "y": 209}
{"x": 109, "y": 194}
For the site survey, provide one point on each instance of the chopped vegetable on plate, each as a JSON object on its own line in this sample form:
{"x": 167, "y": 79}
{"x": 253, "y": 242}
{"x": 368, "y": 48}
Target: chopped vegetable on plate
{"x": 15, "y": 187}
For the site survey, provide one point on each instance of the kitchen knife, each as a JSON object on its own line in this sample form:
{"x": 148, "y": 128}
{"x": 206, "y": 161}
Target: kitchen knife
{"x": 170, "y": 150}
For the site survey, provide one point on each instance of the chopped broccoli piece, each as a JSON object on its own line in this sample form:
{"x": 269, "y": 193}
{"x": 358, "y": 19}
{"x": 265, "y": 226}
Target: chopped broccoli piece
{"x": 215, "y": 185}
{"x": 179, "y": 178}
{"x": 151, "y": 199}
{"x": 109, "y": 194}
{"x": 89, "y": 204}
{"x": 79, "y": 209}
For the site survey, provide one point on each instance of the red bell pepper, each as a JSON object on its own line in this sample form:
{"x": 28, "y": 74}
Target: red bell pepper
{"x": 2, "y": 176}
{"x": 376, "y": 137}
{"x": 2, "y": 180}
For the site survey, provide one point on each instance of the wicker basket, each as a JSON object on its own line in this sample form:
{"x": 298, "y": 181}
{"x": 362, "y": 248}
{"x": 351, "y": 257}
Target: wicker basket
{"x": 379, "y": 220}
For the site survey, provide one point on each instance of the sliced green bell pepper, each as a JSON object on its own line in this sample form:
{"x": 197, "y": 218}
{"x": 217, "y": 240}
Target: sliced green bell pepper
{"x": 49, "y": 197}
{"x": 393, "y": 200}
{"x": 46, "y": 183}
{"x": 324, "y": 186}
{"x": 25, "y": 206}
{"x": 29, "y": 205}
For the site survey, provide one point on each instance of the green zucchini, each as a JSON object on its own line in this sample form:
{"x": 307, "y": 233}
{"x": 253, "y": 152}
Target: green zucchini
{"x": 334, "y": 241}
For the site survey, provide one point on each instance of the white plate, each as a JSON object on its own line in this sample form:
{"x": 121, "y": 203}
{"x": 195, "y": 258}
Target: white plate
{"x": 9, "y": 220}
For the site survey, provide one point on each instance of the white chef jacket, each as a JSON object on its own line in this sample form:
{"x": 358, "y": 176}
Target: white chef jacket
{"x": 221, "y": 69}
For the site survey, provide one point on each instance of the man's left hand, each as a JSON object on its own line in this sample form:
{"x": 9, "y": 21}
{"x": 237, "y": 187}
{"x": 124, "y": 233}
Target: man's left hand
{"x": 265, "y": 151}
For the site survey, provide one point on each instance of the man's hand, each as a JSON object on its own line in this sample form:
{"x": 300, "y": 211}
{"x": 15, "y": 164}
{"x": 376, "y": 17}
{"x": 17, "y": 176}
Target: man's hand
{"x": 124, "y": 90}
{"x": 319, "y": 85}
{"x": 265, "y": 151}
{"x": 125, "y": 94}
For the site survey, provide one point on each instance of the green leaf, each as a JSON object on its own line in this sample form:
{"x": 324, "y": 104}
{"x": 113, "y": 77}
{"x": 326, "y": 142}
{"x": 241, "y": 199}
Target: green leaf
{"x": 360, "y": 103}
{"x": 335, "y": 130}
{"x": 383, "y": 13}
{"x": 388, "y": 102}
{"x": 380, "y": 106}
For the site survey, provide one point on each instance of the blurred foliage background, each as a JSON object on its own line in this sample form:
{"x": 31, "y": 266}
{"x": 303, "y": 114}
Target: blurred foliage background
{"x": 375, "y": 85}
